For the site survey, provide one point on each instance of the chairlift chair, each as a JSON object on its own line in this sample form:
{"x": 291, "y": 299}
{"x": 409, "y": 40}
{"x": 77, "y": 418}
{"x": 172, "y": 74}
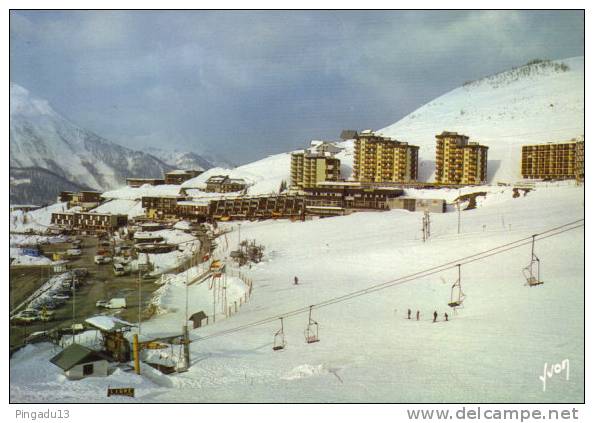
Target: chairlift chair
{"x": 532, "y": 271}
{"x": 279, "y": 339}
{"x": 311, "y": 331}
{"x": 457, "y": 296}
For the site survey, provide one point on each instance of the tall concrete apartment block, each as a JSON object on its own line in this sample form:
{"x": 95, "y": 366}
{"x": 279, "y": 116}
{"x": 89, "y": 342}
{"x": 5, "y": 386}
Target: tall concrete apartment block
{"x": 458, "y": 161}
{"x": 307, "y": 169}
{"x": 382, "y": 159}
{"x": 563, "y": 160}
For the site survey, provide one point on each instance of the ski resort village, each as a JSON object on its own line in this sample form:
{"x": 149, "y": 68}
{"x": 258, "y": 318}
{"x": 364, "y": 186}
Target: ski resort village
{"x": 437, "y": 259}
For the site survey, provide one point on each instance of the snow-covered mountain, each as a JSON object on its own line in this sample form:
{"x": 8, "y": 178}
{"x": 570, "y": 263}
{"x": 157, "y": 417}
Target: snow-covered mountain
{"x": 181, "y": 159}
{"x": 539, "y": 102}
{"x": 45, "y": 143}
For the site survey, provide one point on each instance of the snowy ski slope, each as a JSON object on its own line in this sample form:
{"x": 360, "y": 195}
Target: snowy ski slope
{"x": 492, "y": 350}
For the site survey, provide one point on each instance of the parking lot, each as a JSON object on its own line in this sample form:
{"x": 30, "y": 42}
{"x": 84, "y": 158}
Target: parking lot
{"x": 100, "y": 284}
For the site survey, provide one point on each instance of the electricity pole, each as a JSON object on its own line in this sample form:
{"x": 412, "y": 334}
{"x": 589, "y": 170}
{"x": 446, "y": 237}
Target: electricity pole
{"x": 458, "y": 207}
{"x": 141, "y": 267}
{"x": 73, "y": 306}
{"x": 139, "y": 300}
{"x": 426, "y": 226}
{"x": 187, "y": 282}
{"x": 214, "y": 299}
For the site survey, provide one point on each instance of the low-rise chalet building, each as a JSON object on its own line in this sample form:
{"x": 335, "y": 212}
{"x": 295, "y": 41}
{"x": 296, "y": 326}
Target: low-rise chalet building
{"x": 89, "y": 222}
{"x": 79, "y": 362}
{"x": 222, "y": 183}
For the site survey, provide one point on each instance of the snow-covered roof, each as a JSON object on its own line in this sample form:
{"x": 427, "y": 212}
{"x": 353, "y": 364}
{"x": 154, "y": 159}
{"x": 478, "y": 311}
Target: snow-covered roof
{"x": 132, "y": 208}
{"x": 178, "y": 172}
{"x": 197, "y": 202}
{"x": 182, "y": 225}
{"x": 217, "y": 179}
{"x": 136, "y": 193}
{"x": 108, "y": 323}
{"x": 146, "y": 235}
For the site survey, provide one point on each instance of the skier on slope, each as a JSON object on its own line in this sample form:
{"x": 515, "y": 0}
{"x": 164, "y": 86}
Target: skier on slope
{"x": 435, "y": 316}
{"x": 418, "y": 315}
{"x": 409, "y": 314}
{"x": 295, "y": 281}
{"x": 446, "y": 316}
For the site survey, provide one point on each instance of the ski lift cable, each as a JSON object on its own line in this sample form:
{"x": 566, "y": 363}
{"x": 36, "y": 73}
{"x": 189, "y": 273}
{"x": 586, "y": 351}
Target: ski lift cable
{"x": 408, "y": 278}
{"x": 372, "y": 289}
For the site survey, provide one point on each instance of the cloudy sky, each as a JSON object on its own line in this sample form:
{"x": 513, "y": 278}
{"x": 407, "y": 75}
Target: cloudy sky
{"x": 247, "y": 84}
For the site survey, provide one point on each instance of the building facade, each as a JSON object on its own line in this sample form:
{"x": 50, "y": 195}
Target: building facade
{"x": 138, "y": 182}
{"x": 222, "y": 183}
{"x": 458, "y": 161}
{"x": 85, "y": 199}
{"x": 258, "y": 207}
{"x": 309, "y": 169}
{"x": 382, "y": 159}
{"x": 178, "y": 177}
{"x": 89, "y": 222}
{"x": 553, "y": 160}
{"x": 431, "y": 205}
{"x": 344, "y": 197}
{"x": 161, "y": 207}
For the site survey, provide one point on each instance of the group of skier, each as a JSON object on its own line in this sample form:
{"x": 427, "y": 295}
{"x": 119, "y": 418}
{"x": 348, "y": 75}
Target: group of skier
{"x": 409, "y": 313}
{"x": 418, "y": 316}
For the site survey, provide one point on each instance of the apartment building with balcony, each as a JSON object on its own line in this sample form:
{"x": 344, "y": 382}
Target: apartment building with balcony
{"x": 564, "y": 160}
{"x": 459, "y": 161}
{"x": 308, "y": 169}
{"x": 382, "y": 159}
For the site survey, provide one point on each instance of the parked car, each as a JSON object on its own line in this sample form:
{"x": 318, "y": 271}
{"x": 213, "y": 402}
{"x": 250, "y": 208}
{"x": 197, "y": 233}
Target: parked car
{"x": 26, "y": 316}
{"x": 73, "y": 252}
{"x": 119, "y": 269}
{"x": 61, "y": 296}
{"x": 99, "y": 259}
{"x": 113, "y": 303}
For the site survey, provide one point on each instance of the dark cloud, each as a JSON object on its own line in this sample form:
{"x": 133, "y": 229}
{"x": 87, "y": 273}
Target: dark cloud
{"x": 246, "y": 84}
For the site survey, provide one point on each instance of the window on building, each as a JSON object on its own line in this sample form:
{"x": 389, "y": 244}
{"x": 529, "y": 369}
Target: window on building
{"x": 88, "y": 369}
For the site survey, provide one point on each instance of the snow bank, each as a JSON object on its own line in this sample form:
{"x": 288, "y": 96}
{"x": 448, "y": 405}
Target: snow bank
{"x": 37, "y": 220}
{"x": 26, "y": 260}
